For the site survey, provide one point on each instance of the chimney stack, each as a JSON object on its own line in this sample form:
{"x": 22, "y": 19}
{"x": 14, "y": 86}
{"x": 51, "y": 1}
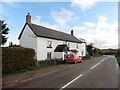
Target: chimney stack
{"x": 72, "y": 33}
{"x": 28, "y": 18}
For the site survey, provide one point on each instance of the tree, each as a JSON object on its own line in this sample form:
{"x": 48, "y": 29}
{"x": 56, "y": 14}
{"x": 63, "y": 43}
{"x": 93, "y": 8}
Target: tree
{"x": 10, "y": 44}
{"x": 4, "y": 31}
{"x": 90, "y": 49}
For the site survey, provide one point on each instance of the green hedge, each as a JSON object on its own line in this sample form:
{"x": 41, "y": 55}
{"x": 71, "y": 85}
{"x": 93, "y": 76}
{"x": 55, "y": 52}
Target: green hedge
{"x": 118, "y": 59}
{"x": 118, "y": 56}
{"x": 16, "y": 59}
{"x": 51, "y": 62}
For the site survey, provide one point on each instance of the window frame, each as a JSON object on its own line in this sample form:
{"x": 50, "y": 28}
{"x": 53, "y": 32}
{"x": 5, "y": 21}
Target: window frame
{"x": 49, "y": 44}
{"x": 49, "y": 55}
{"x": 68, "y": 44}
{"x": 77, "y": 46}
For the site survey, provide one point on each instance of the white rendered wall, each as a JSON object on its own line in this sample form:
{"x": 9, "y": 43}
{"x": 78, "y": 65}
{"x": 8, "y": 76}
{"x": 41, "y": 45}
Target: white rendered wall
{"x": 58, "y": 55}
{"x": 83, "y": 49}
{"x": 42, "y": 49}
{"x": 39, "y": 44}
{"x": 73, "y": 45}
{"x": 28, "y": 39}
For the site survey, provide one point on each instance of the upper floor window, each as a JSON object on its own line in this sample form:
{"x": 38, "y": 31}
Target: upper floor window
{"x": 49, "y": 44}
{"x": 76, "y": 46}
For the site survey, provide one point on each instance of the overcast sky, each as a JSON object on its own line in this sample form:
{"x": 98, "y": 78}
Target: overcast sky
{"x": 96, "y": 21}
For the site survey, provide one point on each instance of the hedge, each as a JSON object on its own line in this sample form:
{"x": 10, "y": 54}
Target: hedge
{"x": 16, "y": 59}
{"x": 118, "y": 57}
{"x": 50, "y": 62}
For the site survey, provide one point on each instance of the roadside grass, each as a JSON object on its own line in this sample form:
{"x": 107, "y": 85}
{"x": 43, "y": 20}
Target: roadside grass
{"x": 118, "y": 60}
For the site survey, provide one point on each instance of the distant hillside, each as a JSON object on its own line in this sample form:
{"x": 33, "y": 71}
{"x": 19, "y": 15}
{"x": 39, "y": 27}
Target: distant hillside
{"x": 110, "y": 51}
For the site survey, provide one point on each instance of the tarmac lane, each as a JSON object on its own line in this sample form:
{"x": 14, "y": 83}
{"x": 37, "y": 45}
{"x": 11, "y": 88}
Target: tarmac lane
{"x": 104, "y": 75}
{"x": 101, "y": 72}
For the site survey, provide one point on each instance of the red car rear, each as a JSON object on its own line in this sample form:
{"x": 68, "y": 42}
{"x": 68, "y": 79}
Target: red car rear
{"x": 73, "y": 58}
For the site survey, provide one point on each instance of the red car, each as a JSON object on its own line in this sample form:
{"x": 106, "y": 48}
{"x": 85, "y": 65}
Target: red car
{"x": 73, "y": 58}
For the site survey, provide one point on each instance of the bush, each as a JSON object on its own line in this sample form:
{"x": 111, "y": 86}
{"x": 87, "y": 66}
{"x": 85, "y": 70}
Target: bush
{"x": 118, "y": 56}
{"x": 86, "y": 57}
{"x": 51, "y": 62}
{"x": 17, "y": 59}
{"x": 118, "y": 60}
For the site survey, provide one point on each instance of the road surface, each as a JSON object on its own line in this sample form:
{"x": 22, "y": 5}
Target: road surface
{"x": 99, "y": 72}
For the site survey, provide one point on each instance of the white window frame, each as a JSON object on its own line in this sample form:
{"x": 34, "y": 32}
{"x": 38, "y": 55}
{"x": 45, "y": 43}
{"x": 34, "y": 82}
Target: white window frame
{"x": 49, "y": 55}
{"x": 68, "y": 45}
{"x": 77, "y": 46}
{"x": 49, "y": 43}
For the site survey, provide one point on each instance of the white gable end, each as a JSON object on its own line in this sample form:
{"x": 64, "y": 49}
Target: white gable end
{"x": 28, "y": 38}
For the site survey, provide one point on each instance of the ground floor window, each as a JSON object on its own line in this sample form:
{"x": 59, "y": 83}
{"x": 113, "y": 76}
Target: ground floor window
{"x": 82, "y": 53}
{"x": 76, "y": 46}
{"x": 49, "y": 55}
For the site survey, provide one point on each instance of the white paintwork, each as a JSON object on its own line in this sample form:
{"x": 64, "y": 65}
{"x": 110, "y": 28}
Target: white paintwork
{"x": 82, "y": 48}
{"x": 58, "y": 55}
{"x": 42, "y": 47}
{"x": 29, "y": 40}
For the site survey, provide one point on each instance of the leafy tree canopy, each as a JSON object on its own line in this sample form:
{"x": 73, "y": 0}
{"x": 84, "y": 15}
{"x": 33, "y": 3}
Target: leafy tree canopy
{"x": 4, "y": 31}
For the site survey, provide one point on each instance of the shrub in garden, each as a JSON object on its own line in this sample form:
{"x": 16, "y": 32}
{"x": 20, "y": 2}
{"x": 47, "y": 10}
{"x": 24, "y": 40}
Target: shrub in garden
{"x": 16, "y": 59}
{"x": 118, "y": 56}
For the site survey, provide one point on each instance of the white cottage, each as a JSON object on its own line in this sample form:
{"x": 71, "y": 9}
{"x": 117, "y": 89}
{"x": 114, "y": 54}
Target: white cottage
{"x": 45, "y": 41}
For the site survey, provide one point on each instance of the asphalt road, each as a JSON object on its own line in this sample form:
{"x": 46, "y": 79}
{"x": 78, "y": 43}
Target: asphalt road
{"x": 99, "y": 72}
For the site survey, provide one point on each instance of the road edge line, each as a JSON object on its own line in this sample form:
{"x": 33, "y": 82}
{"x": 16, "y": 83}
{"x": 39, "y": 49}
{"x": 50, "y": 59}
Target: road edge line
{"x": 95, "y": 65}
{"x": 71, "y": 82}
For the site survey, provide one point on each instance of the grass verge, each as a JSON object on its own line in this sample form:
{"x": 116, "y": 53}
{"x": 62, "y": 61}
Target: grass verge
{"x": 118, "y": 60}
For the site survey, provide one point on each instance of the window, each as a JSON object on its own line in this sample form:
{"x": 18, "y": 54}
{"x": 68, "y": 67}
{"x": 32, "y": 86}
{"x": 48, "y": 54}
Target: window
{"x": 49, "y": 55}
{"x": 69, "y": 45}
{"x": 76, "y": 46}
{"x": 49, "y": 44}
{"x": 82, "y": 53}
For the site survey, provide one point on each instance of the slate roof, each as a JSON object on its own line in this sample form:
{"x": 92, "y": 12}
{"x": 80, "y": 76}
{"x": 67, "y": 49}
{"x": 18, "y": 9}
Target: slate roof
{"x": 41, "y": 31}
{"x": 61, "y": 48}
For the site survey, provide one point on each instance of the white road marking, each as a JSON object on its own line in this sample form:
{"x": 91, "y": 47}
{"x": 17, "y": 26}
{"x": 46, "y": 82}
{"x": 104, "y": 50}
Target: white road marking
{"x": 70, "y": 82}
{"x": 103, "y": 60}
{"x": 95, "y": 65}
{"x": 98, "y": 63}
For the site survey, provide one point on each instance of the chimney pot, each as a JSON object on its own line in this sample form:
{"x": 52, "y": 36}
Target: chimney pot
{"x": 72, "y": 33}
{"x": 28, "y": 18}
